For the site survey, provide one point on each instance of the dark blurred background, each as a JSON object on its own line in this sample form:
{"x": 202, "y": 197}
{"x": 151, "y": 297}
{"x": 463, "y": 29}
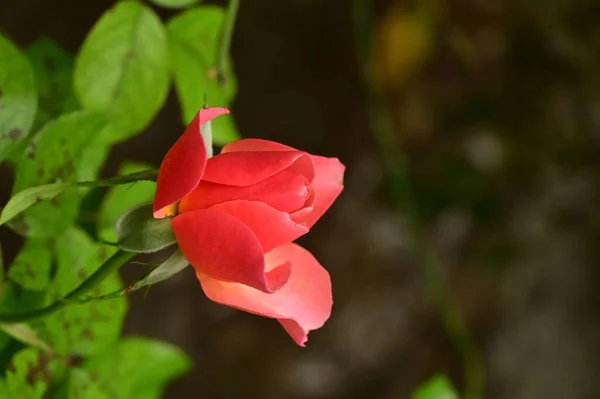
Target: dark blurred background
{"x": 495, "y": 111}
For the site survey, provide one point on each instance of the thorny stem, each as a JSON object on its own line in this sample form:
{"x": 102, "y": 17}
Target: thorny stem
{"x": 225, "y": 42}
{"x": 401, "y": 193}
{"x": 109, "y": 267}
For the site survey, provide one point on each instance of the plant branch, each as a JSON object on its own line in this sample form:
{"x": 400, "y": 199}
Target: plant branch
{"x": 401, "y": 193}
{"x": 109, "y": 267}
{"x": 225, "y": 42}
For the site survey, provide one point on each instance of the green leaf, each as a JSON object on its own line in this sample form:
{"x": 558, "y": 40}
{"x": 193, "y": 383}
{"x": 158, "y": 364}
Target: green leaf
{"x": 438, "y": 387}
{"x": 137, "y": 368}
{"x": 193, "y": 39}
{"x": 138, "y": 231}
{"x": 2, "y": 271}
{"x": 5, "y": 339}
{"x": 122, "y": 69}
{"x": 121, "y": 198}
{"x": 88, "y": 328}
{"x": 53, "y": 67}
{"x": 175, "y": 3}
{"x": 16, "y": 299}
{"x": 29, "y": 373}
{"x": 173, "y": 265}
{"x": 81, "y": 385}
{"x": 72, "y": 147}
{"x": 4, "y": 389}
{"x": 24, "y": 334}
{"x": 18, "y": 97}
{"x": 76, "y": 257}
{"x": 31, "y": 196}
{"x": 32, "y": 266}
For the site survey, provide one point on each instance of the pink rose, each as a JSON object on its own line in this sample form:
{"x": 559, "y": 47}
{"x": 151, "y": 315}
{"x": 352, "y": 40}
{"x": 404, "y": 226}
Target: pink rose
{"x": 236, "y": 215}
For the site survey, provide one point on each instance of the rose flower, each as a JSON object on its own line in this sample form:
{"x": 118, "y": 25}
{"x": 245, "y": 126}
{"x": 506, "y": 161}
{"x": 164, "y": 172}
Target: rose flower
{"x": 235, "y": 216}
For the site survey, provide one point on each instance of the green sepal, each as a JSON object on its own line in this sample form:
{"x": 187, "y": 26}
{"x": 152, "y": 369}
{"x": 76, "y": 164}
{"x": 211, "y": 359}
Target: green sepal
{"x": 138, "y": 231}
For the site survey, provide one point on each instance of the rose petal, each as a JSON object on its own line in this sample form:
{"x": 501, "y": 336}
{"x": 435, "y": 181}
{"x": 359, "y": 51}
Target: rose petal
{"x": 271, "y": 227}
{"x": 301, "y": 305}
{"x": 221, "y": 246}
{"x": 327, "y": 186}
{"x": 306, "y": 209}
{"x": 182, "y": 168}
{"x": 255, "y": 145}
{"x": 246, "y": 168}
{"x": 285, "y": 191}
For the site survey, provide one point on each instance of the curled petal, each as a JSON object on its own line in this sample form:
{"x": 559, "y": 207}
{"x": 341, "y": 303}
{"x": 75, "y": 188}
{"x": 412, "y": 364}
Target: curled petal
{"x": 183, "y": 166}
{"x": 326, "y": 187}
{"x": 285, "y": 191}
{"x": 255, "y": 145}
{"x": 224, "y": 248}
{"x": 301, "y": 305}
{"x": 306, "y": 209}
{"x": 271, "y": 227}
{"x": 250, "y": 167}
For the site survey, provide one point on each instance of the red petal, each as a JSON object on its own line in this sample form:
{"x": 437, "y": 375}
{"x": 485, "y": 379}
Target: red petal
{"x": 306, "y": 209}
{"x": 250, "y": 167}
{"x": 272, "y": 227}
{"x": 327, "y": 184}
{"x": 224, "y": 248}
{"x": 301, "y": 305}
{"x": 326, "y": 187}
{"x": 285, "y": 191}
{"x": 182, "y": 168}
{"x": 255, "y": 145}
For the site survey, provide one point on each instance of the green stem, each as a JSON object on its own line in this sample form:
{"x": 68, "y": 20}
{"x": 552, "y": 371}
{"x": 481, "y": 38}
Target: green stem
{"x": 147, "y": 175}
{"x": 109, "y": 267}
{"x": 401, "y": 192}
{"x": 225, "y": 43}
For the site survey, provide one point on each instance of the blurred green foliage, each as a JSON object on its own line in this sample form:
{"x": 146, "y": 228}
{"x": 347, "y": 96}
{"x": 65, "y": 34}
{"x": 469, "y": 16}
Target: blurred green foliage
{"x": 18, "y": 97}
{"x": 193, "y": 38}
{"x": 53, "y": 68}
{"x": 122, "y": 69}
{"x": 60, "y": 115}
{"x": 438, "y": 387}
{"x": 121, "y": 198}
